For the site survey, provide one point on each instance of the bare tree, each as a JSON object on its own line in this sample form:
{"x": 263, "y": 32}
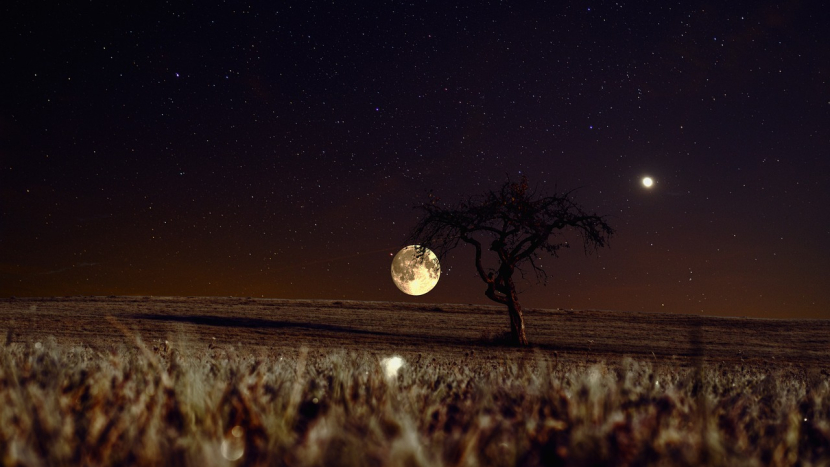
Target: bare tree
{"x": 520, "y": 225}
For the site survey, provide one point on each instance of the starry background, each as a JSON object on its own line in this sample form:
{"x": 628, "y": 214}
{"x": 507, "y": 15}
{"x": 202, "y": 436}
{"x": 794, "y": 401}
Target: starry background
{"x": 276, "y": 148}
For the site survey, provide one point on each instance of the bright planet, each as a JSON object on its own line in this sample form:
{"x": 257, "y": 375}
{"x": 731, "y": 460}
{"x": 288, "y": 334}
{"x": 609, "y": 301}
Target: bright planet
{"x": 648, "y": 182}
{"x": 413, "y": 275}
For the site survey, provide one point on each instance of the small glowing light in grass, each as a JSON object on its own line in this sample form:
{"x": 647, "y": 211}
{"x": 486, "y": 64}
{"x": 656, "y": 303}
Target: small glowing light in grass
{"x": 38, "y": 345}
{"x": 233, "y": 446}
{"x": 391, "y": 365}
{"x": 648, "y": 182}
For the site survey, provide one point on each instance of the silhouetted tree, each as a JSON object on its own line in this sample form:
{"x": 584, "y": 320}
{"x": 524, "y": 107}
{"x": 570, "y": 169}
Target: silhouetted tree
{"x": 519, "y": 224}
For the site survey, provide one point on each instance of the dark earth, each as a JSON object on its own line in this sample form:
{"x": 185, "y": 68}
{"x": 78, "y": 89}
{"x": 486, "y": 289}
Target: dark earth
{"x": 451, "y": 331}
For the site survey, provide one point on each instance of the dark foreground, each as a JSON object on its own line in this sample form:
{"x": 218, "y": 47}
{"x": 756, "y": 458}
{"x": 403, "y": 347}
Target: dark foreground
{"x": 240, "y": 382}
{"x": 266, "y": 325}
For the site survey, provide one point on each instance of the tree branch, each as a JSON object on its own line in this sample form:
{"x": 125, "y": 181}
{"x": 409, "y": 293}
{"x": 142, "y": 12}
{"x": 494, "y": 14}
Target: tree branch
{"x": 479, "y": 266}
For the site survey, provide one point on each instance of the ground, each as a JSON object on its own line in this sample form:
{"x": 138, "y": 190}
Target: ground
{"x": 452, "y": 330}
{"x": 249, "y": 382}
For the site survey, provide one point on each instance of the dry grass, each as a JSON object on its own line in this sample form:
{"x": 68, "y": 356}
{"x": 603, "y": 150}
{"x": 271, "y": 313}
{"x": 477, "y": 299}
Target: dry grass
{"x": 203, "y": 405}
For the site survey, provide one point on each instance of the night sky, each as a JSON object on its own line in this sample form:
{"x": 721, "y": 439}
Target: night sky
{"x": 276, "y": 149}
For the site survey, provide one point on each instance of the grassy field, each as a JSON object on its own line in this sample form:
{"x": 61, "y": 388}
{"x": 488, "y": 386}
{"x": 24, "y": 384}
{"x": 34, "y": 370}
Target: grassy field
{"x": 136, "y": 387}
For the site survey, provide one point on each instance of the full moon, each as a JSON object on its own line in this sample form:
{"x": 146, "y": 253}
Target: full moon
{"x": 648, "y": 182}
{"x": 413, "y": 275}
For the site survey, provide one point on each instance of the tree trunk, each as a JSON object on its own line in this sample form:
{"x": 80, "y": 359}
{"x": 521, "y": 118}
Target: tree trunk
{"x": 517, "y": 322}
